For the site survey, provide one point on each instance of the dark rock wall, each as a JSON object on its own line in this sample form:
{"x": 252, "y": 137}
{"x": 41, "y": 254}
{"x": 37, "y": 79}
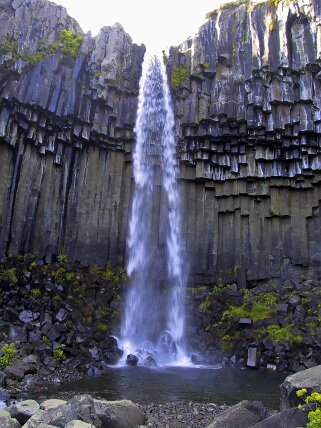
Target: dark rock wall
{"x": 248, "y": 124}
{"x": 248, "y": 120}
{"x": 66, "y": 124}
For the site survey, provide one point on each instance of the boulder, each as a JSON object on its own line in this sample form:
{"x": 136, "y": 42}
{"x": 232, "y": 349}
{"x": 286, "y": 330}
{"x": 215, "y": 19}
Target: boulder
{"x": 23, "y": 410}
{"x": 80, "y": 407}
{"x": 51, "y": 404}
{"x": 79, "y": 424}
{"x": 149, "y": 362}
{"x": 285, "y": 419}
{"x": 94, "y": 371}
{"x": 118, "y": 414}
{"x": 27, "y": 316}
{"x": 309, "y": 379}
{"x": 132, "y": 360}
{"x": 242, "y": 415}
{"x": 111, "y": 352}
{"x": 8, "y": 422}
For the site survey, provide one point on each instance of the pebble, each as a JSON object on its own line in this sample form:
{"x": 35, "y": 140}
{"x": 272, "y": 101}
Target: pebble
{"x": 180, "y": 415}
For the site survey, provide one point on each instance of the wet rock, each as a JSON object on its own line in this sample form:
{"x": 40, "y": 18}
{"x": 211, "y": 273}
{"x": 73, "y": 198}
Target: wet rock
{"x": 132, "y": 360}
{"x": 111, "y": 351}
{"x": 197, "y": 359}
{"x": 149, "y": 362}
{"x": 94, "y": 371}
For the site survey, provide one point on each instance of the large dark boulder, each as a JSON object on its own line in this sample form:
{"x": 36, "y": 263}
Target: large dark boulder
{"x": 132, "y": 360}
{"x": 309, "y": 379}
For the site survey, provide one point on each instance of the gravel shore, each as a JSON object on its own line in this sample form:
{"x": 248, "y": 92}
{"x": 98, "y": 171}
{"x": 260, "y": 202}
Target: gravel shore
{"x": 180, "y": 415}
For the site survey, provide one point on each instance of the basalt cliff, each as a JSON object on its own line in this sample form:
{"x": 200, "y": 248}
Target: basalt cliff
{"x": 247, "y": 99}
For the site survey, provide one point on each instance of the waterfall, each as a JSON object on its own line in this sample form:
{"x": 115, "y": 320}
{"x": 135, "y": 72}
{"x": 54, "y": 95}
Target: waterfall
{"x": 154, "y": 320}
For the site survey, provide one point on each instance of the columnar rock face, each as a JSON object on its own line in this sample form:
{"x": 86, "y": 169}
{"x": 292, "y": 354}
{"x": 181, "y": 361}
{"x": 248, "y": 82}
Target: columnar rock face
{"x": 67, "y": 113}
{"x": 247, "y": 96}
{"x": 248, "y": 113}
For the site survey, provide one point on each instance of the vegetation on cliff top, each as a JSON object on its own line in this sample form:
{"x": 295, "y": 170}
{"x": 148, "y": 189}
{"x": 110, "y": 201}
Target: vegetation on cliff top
{"x": 249, "y": 3}
{"x": 67, "y": 43}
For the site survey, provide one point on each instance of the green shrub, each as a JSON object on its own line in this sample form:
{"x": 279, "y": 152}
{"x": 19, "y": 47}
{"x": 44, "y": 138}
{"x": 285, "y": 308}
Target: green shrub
{"x": 8, "y": 353}
{"x": 69, "y": 42}
{"x": 35, "y": 292}
{"x": 278, "y": 333}
{"x": 313, "y": 401}
{"x": 46, "y": 340}
{"x": 266, "y": 299}
{"x": 8, "y": 275}
{"x": 59, "y": 354}
{"x": 257, "y": 312}
{"x": 178, "y": 75}
{"x": 62, "y": 258}
{"x": 9, "y": 46}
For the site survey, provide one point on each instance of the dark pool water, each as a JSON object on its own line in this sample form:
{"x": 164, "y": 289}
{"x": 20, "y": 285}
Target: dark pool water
{"x": 143, "y": 385}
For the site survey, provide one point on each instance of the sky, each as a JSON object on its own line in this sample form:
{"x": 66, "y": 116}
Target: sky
{"x": 158, "y": 24}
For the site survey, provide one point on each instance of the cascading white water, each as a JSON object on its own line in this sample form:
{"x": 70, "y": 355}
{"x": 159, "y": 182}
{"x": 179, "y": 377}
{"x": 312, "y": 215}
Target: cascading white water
{"x": 154, "y": 319}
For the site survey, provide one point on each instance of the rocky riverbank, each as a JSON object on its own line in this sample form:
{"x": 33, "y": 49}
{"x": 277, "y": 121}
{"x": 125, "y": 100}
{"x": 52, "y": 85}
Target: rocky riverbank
{"x": 85, "y": 411}
{"x": 59, "y": 318}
